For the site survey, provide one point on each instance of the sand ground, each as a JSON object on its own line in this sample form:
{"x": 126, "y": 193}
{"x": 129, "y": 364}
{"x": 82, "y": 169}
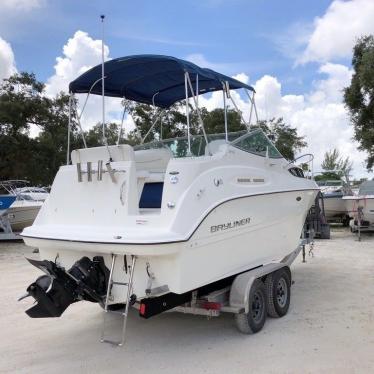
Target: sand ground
{"x": 329, "y": 327}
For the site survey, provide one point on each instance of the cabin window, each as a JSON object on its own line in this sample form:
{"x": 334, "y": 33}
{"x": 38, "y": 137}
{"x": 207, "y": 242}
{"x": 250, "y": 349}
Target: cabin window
{"x": 151, "y": 196}
{"x": 256, "y": 142}
{"x": 296, "y": 172}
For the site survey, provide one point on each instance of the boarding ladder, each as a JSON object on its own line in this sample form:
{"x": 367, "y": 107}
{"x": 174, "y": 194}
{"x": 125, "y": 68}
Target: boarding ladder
{"x": 124, "y": 312}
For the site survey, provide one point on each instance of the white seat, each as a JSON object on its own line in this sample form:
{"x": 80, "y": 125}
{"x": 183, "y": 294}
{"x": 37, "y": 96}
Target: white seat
{"x": 122, "y": 152}
{"x": 214, "y": 146}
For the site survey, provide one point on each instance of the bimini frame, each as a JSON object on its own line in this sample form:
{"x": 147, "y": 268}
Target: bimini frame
{"x": 158, "y": 118}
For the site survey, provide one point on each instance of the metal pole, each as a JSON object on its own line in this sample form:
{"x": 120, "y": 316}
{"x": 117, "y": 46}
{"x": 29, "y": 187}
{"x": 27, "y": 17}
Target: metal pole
{"x": 88, "y": 94}
{"x": 153, "y": 125}
{"x": 102, "y": 77}
{"x": 187, "y": 114}
{"x": 239, "y": 112}
{"x": 225, "y": 110}
{"x": 254, "y": 106}
{"x": 198, "y": 113}
{"x": 128, "y": 300}
{"x": 160, "y": 128}
{"x": 197, "y": 89}
{"x": 69, "y": 129}
{"x": 120, "y": 129}
{"x": 251, "y": 110}
{"x": 79, "y": 124}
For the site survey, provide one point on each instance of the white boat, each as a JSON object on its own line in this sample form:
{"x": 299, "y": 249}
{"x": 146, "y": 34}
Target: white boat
{"x": 35, "y": 193}
{"x": 190, "y": 211}
{"x": 6, "y": 201}
{"x": 360, "y": 207}
{"x": 335, "y": 207}
{"x": 23, "y": 211}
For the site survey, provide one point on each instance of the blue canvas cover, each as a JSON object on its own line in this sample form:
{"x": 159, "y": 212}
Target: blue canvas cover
{"x": 140, "y": 77}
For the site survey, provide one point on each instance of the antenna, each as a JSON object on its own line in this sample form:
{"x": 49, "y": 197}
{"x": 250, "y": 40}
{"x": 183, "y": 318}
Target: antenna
{"x": 102, "y": 77}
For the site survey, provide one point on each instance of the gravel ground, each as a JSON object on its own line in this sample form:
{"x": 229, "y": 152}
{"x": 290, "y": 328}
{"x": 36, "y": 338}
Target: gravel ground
{"x": 328, "y": 329}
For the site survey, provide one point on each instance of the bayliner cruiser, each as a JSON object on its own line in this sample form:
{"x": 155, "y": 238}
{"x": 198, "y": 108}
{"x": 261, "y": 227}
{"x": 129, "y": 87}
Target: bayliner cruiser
{"x": 158, "y": 224}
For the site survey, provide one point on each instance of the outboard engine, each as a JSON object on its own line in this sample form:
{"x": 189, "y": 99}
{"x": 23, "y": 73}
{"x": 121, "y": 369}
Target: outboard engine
{"x": 54, "y": 292}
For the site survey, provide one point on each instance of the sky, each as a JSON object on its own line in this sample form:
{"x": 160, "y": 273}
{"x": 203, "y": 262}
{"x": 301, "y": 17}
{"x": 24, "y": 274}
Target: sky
{"x": 297, "y": 57}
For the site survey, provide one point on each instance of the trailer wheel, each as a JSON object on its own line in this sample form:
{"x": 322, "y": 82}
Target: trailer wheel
{"x": 254, "y": 320}
{"x": 278, "y": 286}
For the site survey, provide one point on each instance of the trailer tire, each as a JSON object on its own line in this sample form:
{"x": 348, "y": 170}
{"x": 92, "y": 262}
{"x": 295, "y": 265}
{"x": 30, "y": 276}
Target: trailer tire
{"x": 278, "y": 287}
{"x": 254, "y": 320}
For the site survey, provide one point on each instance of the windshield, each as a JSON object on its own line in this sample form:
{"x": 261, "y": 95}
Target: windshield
{"x": 254, "y": 142}
{"x": 179, "y": 146}
{"x": 257, "y": 142}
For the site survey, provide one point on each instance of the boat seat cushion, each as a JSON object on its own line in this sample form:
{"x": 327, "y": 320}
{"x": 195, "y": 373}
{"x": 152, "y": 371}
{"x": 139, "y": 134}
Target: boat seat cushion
{"x": 214, "y": 146}
{"x": 122, "y": 152}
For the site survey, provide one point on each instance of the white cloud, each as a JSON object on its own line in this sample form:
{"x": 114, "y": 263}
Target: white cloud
{"x": 242, "y": 77}
{"x": 335, "y": 33}
{"x": 80, "y": 53}
{"x": 24, "y": 5}
{"x": 319, "y": 115}
{"x": 7, "y": 62}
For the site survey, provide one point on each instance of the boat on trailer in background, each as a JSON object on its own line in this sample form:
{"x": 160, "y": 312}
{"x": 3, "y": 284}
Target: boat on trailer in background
{"x": 6, "y": 201}
{"x": 360, "y": 208}
{"x": 203, "y": 223}
{"x": 21, "y": 213}
{"x": 333, "y": 192}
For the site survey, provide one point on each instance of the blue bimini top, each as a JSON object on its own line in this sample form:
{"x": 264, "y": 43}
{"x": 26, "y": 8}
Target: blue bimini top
{"x": 151, "y": 79}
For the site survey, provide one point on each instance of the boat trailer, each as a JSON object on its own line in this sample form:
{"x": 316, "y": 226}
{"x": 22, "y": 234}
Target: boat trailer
{"x": 250, "y": 295}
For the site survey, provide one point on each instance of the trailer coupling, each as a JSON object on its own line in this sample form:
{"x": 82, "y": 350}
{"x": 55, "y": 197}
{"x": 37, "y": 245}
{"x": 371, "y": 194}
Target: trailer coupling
{"x": 86, "y": 280}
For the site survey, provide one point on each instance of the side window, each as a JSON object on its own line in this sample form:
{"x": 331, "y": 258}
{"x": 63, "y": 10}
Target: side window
{"x": 257, "y": 143}
{"x": 296, "y": 172}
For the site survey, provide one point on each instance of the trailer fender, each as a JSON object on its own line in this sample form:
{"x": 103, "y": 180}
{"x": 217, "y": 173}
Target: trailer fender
{"x": 242, "y": 284}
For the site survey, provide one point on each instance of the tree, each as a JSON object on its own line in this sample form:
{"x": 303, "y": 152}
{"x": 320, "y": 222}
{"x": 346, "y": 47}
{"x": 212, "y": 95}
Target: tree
{"x": 23, "y": 105}
{"x": 335, "y": 166}
{"x": 359, "y": 96}
{"x": 171, "y": 124}
{"x": 94, "y": 136}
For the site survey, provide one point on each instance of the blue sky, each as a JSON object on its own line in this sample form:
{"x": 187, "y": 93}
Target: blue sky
{"x": 237, "y": 35}
{"x": 297, "y": 54}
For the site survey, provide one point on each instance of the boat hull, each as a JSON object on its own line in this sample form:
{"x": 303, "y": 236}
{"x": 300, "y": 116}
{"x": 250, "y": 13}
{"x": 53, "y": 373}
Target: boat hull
{"x": 335, "y": 207}
{"x": 366, "y": 203}
{"x": 22, "y": 215}
{"x": 235, "y": 236}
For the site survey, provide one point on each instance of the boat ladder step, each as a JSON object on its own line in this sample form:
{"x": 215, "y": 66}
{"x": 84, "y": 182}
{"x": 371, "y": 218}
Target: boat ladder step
{"x": 124, "y": 312}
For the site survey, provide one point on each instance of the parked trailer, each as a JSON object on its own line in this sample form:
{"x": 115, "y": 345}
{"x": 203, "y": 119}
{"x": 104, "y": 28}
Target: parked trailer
{"x": 250, "y": 296}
